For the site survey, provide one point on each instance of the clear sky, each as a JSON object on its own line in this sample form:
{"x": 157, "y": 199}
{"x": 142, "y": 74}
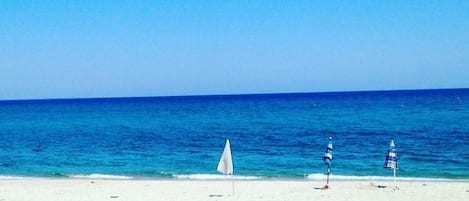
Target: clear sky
{"x": 68, "y": 49}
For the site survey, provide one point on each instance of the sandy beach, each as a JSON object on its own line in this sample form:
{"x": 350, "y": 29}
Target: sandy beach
{"x": 141, "y": 190}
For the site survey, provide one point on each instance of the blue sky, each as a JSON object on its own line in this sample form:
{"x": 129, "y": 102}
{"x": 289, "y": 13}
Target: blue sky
{"x": 69, "y": 49}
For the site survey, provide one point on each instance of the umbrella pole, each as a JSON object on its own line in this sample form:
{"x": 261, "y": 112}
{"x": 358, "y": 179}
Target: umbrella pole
{"x": 394, "y": 178}
{"x": 328, "y": 173}
{"x": 232, "y": 185}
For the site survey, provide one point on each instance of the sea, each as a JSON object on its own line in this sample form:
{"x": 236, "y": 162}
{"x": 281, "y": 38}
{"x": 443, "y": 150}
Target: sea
{"x": 273, "y": 136}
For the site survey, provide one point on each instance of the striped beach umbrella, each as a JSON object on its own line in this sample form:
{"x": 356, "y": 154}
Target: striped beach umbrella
{"x": 328, "y": 160}
{"x": 391, "y": 161}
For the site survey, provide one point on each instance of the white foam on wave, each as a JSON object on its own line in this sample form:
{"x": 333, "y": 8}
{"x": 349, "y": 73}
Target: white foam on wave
{"x": 213, "y": 177}
{"x": 6, "y": 177}
{"x": 99, "y": 176}
{"x": 318, "y": 176}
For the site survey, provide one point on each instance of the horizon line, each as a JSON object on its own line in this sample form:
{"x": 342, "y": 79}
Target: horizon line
{"x": 235, "y": 94}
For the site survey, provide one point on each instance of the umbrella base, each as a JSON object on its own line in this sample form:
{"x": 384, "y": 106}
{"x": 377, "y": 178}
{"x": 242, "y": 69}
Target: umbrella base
{"x": 325, "y": 187}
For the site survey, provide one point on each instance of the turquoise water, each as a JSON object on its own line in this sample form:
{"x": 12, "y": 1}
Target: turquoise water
{"x": 272, "y": 136}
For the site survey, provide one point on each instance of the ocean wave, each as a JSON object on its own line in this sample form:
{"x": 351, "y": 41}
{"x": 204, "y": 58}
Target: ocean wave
{"x": 318, "y": 176}
{"x": 214, "y": 177}
{"x": 8, "y": 177}
{"x": 313, "y": 177}
{"x": 99, "y": 176}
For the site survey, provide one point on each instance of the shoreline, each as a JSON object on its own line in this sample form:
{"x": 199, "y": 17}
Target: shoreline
{"x": 218, "y": 177}
{"x": 46, "y": 189}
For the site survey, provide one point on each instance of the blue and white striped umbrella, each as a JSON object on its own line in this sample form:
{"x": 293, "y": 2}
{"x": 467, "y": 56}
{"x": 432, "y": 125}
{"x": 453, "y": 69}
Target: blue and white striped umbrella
{"x": 328, "y": 161}
{"x": 391, "y": 162}
{"x": 391, "y": 157}
{"x": 328, "y": 154}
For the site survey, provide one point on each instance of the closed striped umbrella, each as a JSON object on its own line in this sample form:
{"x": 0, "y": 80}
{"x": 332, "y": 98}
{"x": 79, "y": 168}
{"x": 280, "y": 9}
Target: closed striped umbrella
{"x": 328, "y": 160}
{"x": 391, "y": 161}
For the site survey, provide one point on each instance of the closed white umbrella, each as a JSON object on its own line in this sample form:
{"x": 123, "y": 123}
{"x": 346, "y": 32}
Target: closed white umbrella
{"x": 225, "y": 166}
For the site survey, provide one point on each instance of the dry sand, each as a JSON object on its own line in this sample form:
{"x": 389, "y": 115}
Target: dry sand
{"x": 194, "y": 190}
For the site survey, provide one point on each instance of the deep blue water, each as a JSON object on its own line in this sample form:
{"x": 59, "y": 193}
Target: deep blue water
{"x": 277, "y": 135}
